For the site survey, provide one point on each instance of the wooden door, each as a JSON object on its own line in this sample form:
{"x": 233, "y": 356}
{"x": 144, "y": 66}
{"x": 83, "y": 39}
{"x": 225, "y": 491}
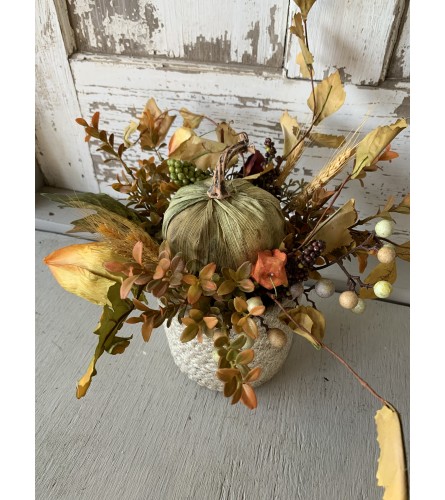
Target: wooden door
{"x": 232, "y": 60}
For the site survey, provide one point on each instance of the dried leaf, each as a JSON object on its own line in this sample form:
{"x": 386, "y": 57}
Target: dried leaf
{"x": 189, "y": 333}
{"x": 329, "y": 97}
{"x": 382, "y": 272}
{"x": 154, "y": 125}
{"x": 79, "y": 269}
{"x": 128, "y": 132}
{"x": 226, "y": 374}
{"x": 297, "y": 26}
{"x": 403, "y": 251}
{"x": 327, "y": 140}
{"x": 391, "y": 472}
{"x": 226, "y": 287}
{"x": 374, "y": 143}
{"x": 191, "y": 120}
{"x": 248, "y": 396}
{"x": 307, "y": 322}
{"x": 334, "y": 231}
{"x": 291, "y": 131}
{"x": 305, "y": 6}
{"x": 253, "y": 375}
{"x": 110, "y": 323}
{"x": 245, "y": 357}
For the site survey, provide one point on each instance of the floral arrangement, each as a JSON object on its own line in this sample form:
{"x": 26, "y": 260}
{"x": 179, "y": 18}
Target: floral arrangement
{"x": 219, "y": 231}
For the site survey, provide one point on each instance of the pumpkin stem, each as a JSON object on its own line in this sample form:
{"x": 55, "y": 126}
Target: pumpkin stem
{"x": 218, "y": 188}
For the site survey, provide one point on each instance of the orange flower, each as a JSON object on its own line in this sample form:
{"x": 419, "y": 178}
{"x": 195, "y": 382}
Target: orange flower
{"x": 269, "y": 270}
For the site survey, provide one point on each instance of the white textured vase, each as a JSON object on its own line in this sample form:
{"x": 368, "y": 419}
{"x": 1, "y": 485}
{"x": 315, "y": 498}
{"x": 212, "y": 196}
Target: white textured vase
{"x": 196, "y": 359}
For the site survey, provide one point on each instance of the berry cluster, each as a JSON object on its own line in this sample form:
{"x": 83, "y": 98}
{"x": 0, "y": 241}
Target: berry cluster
{"x": 270, "y": 149}
{"x": 183, "y": 173}
{"x": 300, "y": 263}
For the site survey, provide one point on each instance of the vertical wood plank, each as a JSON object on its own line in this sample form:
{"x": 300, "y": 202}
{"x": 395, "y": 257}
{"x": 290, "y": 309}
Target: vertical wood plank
{"x": 64, "y": 158}
{"x": 399, "y": 67}
{"x": 354, "y": 36}
{"x": 248, "y": 32}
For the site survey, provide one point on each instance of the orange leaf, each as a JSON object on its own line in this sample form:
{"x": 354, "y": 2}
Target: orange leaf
{"x": 248, "y": 396}
{"x": 245, "y": 357}
{"x": 253, "y": 375}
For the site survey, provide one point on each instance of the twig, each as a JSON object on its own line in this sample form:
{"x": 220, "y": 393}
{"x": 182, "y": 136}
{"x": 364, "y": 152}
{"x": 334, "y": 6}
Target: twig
{"x": 362, "y": 382}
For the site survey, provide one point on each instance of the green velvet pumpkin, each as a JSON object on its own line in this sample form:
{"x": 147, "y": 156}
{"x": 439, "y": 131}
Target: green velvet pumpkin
{"x": 226, "y": 231}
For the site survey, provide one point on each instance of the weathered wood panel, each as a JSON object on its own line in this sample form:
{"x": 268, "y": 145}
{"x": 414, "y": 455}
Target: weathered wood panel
{"x": 144, "y": 431}
{"x": 249, "y": 32}
{"x": 119, "y": 88}
{"x": 64, "y": 158}
{"x": 354, "y": 36}
{"x": 399, "y": 67}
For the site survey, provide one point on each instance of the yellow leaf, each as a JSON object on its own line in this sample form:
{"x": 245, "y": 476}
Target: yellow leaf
{"x": 334, "y": 231}
{"x": 297, "y": 26}
{"x": 128, "y": 132}
{"x": 391, "y": 472}
{"x": 373, "y": 144}
{"x": 305, "y": 6}
{"x": 204, "y": 153}
{"x": 307, "y": 322}
{"x": 382, "y": 272}
{"x": 79, "y": 269}
{"x": 226, "y": 134}
{"x": 327, "y": 140}
{"x": 191, "y": 120}
{"x": 304, "y": 69}
{"x": 291, "y": 131}
{"x": 84, "y": 383}
{"x": 329, "y": 97}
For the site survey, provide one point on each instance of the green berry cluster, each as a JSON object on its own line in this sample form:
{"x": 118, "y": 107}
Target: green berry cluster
{"x": 183, "y": 173}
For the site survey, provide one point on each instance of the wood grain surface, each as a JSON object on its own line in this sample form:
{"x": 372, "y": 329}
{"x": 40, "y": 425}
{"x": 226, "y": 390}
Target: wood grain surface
{"x": 144, "y": 431}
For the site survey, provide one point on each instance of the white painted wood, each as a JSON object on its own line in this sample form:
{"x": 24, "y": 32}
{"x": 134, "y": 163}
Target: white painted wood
{"x": 144, "y": 431}
{"x": 119, "y": 87}
{"x": 249, "y": 32}
{"x": 62, "y": 155}
{"x": 354, "y": 36}
{"x": 400, "y": 63}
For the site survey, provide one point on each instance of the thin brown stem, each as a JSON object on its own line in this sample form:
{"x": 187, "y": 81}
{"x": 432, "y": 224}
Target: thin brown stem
{"x": 362, "y": 382}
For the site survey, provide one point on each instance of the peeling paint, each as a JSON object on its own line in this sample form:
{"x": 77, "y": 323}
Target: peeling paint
{"x": 277, "y": 58}
{"x": 253, "y": 35}
{"x": 215, "y": 50}
{"x": 403, "y": 110}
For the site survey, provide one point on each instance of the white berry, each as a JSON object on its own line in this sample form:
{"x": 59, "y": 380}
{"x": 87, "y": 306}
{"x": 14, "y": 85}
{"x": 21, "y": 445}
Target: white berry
{"x": 277, "y": 338}
{"x": 296, "y": 290}
{"x": 360, "y": 307}
{"x": 384, "y": 228}
{"x": 386, "y": 255}
{"x": 382, "y": 289}
{"x": 348, "y": 300}
{"x": 324, "y": 288}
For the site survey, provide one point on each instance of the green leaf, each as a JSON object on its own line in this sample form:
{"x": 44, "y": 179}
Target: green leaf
{"x": 110, "y": 323}
{"x": 189, "y": 333}
{"x": 226, "y": 287}
{"x": 373, "y": 144}
{"x": 329, "y": 97}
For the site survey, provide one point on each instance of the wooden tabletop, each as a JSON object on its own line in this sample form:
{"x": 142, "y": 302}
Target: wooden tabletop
{"x": 144, "y": 431}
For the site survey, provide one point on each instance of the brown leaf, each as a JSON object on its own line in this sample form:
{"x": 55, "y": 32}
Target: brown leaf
{"x": 297, "y": 26}
{"x": 230, "y": 387}
{"x": 210, "y": 322}
{"x": 334, "y": 231}
{"x": 191, "y": 120}
{"x": 154, "y": 125}
{"x": 253, "y": 375}
{"x": 245, "y": 357}
{"x": 403, "y": 251}
{"x": 291, "y": 131}
{"x": 250, "y": 328}
{"x": 147, "y": 327}
{"x": 240, "y": 304}
{"x": 194, "y": 293}
{"x": 391, "y": 472}
{"x": 307, "y": 322}
{"x": 248, "y": 396}
{"x": 327, "y": 140}
{"x": 226, "y": 374}
{"x": 329, "y": 97}
{"x": 374, "y": 143}
{"x": 305, "y": 6}
{"x": 226, "y": 287}
{"x": 382, "y": 272}
{"x": 189, "y": 333}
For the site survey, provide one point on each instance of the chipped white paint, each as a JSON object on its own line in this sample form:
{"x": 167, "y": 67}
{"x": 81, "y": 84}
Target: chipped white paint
{"x": 119, "y": 88}
{"x": 249, "y": 32}
{"x": 144, "y": 431}
{"x": 64, "y": 158}
{"x": 400, "y": 67}
{"x": 356, "y": 36}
